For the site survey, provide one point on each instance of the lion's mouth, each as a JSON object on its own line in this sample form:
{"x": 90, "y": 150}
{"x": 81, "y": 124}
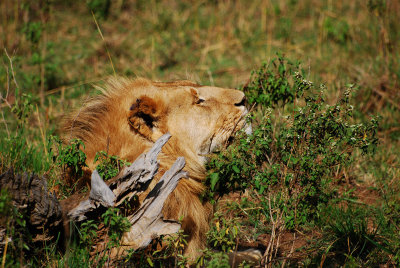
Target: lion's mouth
{"x": 215, "y": 143}
{"x": 242, "y": 123}
{"x": 230, "y": 141}
{"x": 247, "y": 129}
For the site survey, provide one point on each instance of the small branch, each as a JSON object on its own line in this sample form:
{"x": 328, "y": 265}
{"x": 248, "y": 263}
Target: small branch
{"x": 12, "y": 68}
{"x": 41, "y": 131}
{"x": 4, "y": 253}
{"x": 5, "y": 123}
{"x": 5, "y": 100}
{"x": 105, "y": 44}
{"x": 8, "y": 83}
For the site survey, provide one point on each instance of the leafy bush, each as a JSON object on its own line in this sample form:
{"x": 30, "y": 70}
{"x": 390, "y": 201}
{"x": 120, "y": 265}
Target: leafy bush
{"x": 271, "y": 85}
{"x": 223, "y": 233}
{"x": 216, "y": 260}
{"x": 117, "y": 225}
{"x": 23, "y": 108}
{"x": 296, "y": 151}
{"x": 108, "y": 165}
{"x": 33, "y": 31}
{"x": 87, "y": 232}
{"x": 72, "y": 158}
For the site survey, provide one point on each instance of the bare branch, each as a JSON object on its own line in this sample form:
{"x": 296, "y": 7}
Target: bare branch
{"x": 12, "y": 68}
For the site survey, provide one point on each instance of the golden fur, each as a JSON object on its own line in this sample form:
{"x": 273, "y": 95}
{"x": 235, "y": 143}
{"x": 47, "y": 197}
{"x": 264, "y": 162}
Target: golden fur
{"x": 130, "y": 115}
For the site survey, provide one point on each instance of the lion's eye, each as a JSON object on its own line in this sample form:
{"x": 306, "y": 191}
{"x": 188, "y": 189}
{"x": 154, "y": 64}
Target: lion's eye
{"x": 200, "y": 100}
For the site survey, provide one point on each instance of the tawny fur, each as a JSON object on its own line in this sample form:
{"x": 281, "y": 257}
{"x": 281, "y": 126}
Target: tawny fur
{"x": 130, "y": 115}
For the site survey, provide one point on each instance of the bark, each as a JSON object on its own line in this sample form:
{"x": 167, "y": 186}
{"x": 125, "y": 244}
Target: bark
{"x": 40, "y": 209}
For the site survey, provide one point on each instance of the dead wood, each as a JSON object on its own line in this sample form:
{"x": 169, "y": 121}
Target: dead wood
{"x": 133, "y": 181}
{"x": 40, "y": 209}
{"x": 44, "y": 212}
{"x": 147, "y": 222}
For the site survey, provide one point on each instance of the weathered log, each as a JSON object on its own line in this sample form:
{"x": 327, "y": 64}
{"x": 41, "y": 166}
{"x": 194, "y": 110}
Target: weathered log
{"x": 136, "y": 178}
{"x": 133, "y": 181}
{"x": 147, "y": 222}
{"x": 30, "y": 196}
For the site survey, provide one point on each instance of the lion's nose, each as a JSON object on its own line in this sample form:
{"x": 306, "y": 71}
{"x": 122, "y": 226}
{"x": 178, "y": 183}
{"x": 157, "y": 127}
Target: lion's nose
{"x": 242, "y": 102}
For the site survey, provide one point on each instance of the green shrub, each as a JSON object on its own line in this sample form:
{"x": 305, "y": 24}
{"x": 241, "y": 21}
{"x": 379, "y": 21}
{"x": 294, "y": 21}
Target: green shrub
{"x": 170, "y": 254}
{"x": 223, "y": 233}
{"x": 71, "y": 157}
{"x": 117, "y": 225}
{"x": 274, "y": 84}
{"x": 87, "y": 232}
{"x": 108, "y": 165}
{"x": 216, "y": 260}
{"x": 33, "y": 31}
{"x": 295, "y": 151}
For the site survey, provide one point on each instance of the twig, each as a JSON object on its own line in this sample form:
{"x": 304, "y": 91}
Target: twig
{"x": 41, "y": 131}
{"x": 210, "y": 77}
{"x": 43, "y": 56}
{"x": 105, "y": 44}
{"x": 5, "y": 123}
{"x": 6, "y": 103}
{"x": 291, "y": 251}
{"x": 8, "y": 82}
{"x": 57, "y": 89}
{"x": 274, "y": 240}
{"x": 267, "y": 253}
{"x": 12, "y": 69}
{"x": 3, "y": 263}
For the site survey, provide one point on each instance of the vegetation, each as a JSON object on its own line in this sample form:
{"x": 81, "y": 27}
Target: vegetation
{"x": 315, "y": 184}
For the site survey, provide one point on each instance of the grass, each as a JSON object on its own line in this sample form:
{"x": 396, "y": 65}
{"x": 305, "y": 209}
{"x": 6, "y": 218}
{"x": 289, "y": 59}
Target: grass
{"x": 51, "y": 53}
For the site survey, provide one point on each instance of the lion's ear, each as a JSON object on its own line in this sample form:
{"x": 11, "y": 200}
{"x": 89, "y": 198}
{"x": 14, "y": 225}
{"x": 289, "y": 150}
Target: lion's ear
{"x": 197, "y": 99}
{"x": 144, "y": 117}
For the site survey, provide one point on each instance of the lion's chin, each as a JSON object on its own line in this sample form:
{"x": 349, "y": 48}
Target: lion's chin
{"x": 215, "y": 145}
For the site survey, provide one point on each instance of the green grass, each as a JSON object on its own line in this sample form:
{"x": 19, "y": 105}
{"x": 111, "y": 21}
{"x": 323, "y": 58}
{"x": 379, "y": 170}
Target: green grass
{"x": 51, "y": 53}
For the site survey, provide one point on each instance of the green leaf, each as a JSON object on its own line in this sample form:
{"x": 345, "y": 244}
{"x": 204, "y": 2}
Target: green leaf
{"x": 236, "y": 169}
{"x": 214, "y": 177}
{"x": 150, "y": 262}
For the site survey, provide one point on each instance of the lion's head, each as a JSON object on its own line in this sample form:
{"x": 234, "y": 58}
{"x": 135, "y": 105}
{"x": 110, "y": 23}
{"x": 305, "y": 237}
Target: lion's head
{"x": 130, "y": 115}
{"x": 202, "y": 118}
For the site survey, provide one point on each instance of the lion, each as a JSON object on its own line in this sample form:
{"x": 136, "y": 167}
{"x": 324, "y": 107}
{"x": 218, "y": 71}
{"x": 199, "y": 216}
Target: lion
{"x": 130, "y": 115}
